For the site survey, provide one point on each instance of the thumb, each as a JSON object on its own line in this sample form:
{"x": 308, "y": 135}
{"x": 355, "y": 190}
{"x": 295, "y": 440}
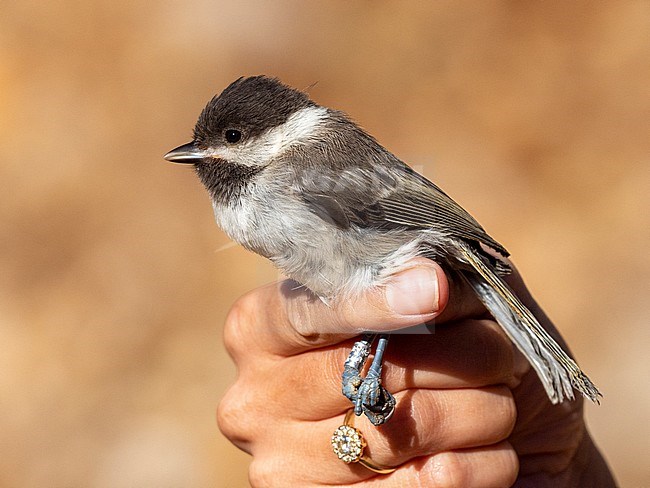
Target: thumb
{"x": 425, "y": 288}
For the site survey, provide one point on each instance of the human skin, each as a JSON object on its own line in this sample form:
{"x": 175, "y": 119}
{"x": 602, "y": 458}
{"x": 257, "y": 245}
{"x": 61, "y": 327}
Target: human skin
{"x": 471, "y": 411}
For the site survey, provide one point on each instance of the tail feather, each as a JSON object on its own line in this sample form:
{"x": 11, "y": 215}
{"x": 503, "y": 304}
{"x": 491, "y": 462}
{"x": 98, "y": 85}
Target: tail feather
{"x": 556, "y": 370}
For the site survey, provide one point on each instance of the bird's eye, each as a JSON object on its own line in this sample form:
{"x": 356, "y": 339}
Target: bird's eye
{"x": 233, "y": 135}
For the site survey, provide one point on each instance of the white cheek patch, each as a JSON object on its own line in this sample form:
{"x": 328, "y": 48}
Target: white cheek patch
{"x": 298, "y": 128}
{"x": 301, "y": 125}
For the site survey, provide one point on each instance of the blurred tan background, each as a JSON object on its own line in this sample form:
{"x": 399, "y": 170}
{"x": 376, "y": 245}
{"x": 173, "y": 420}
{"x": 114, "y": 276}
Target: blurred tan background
{"x": 533, "y": 115}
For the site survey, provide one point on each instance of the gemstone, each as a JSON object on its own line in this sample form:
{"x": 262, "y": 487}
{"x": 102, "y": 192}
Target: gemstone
{"x": 348, "y": 444}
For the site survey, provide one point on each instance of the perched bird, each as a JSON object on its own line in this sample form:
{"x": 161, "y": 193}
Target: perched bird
{"x": 304, "y": 186}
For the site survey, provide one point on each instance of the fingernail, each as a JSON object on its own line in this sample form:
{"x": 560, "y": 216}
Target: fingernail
{"x": 414, "y": 291}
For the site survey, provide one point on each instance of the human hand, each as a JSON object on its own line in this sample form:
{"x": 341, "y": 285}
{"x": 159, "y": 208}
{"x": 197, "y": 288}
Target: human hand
{"x": 470, "y": 410}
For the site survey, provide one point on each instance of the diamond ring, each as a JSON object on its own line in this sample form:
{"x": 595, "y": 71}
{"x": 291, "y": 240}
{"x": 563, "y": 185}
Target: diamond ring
{"x": 348, "y": 445}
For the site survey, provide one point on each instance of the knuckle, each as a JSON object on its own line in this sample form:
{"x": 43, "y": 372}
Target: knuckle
{"x": 239, "y": 319}
{"x": 510, "y": 467}
{"x": 447, "y": 470}
{"x": 500, "y": 360}
{"x": 261, "y": 473}
{"x": 506, "y": 411}
{"x": 232, "y": 418}
{"x": 495, "y": 357}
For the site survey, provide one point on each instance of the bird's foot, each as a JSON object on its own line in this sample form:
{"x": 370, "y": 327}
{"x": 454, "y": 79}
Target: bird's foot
{"x": 375, "y": 401}
{"x": 367, "y": 394}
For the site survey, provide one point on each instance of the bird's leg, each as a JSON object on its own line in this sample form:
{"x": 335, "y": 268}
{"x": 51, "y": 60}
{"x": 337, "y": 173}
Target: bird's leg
{"x": 372, "y": 398}
{"x": 367, "y": 394}
{"x": 353, "y": 366}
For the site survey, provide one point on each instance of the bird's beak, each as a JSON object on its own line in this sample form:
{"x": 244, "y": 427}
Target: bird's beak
{"x": 186, "y": 154}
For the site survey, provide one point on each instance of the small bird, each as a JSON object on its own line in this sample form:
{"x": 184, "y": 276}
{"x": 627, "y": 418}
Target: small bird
{"x": 307, "y": 188}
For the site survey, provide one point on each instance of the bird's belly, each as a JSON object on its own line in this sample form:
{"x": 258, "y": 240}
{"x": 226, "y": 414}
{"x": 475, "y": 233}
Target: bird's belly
{"x": 343, "y": 263}
{"x": 331, "y": 262}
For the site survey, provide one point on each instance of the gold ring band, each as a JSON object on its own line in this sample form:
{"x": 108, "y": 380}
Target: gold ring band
{"x": 348, "y": 445}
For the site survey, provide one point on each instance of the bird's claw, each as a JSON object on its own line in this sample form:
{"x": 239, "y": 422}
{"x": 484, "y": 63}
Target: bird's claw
{"x": 368, "y": 393}
{"x": 382, "y": 410}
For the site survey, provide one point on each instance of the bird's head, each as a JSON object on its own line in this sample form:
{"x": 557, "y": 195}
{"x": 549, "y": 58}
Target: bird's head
{"x": 250, "y": 124}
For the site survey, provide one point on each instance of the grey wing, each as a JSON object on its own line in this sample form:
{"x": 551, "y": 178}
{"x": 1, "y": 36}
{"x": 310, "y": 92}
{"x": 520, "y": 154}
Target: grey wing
{"x": 421, "y": 204}
{"x": 390, "y": 197}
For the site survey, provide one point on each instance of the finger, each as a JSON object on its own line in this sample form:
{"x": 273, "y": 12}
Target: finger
{"x": 444, "y": 427}
{"x": 411, "y": 297}
{"x": 286, "y": 319}
{"x": 420, "y": 293}
{"x": 430, "y": 421}
{"x": 485, "y": 467}
{"x": 466, "y": 354}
